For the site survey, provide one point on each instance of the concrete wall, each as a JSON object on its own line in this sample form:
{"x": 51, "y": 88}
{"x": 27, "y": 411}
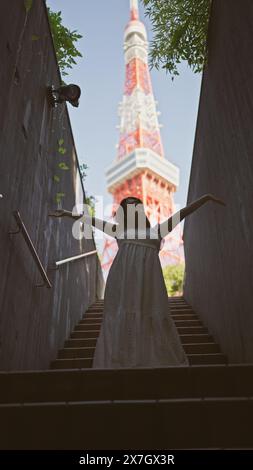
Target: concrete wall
{"x": 218, "y": 241}
{"x": 34, "y": 322}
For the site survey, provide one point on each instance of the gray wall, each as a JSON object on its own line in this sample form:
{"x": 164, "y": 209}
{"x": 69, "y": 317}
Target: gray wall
{"x": 34, "y": 322}
{"x": 218, "y": 241}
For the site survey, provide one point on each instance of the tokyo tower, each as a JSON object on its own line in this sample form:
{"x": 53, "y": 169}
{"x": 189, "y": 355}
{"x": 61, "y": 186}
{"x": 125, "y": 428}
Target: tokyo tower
{"x": 140, "y": 168}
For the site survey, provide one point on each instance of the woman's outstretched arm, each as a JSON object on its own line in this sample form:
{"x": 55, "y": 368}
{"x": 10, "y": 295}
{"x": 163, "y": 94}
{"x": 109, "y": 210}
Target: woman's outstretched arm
{"x": 168, "y": 225}
{"x": 104, "y": 226}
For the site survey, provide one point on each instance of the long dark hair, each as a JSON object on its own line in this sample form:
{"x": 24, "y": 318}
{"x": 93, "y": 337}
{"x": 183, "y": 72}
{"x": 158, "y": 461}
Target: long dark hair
{"x": 124, "y": 204}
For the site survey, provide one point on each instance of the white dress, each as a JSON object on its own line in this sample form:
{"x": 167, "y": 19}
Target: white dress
{"x": 137, "y": 329}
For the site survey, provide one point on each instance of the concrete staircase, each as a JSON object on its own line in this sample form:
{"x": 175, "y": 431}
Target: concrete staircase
{"x": 199, "y": 345}
{"x": 205, "y": 405}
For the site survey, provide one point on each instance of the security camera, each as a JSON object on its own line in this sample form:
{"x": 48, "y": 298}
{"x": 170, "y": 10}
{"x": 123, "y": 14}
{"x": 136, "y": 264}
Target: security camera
{"x": 70, "y": 93}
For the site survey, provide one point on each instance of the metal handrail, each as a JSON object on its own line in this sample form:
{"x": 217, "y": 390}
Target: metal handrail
{"x": 74, "y": 258}
{"x": 23, "y": 231}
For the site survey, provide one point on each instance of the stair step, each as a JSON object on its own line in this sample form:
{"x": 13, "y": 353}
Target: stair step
{"x": 196, "y": 338}
{"x": 93, "y": 384}
{"x": 189, "y": 330}
{"x": 97, "y": 304}
{"x": 73, "y": 363}
{"x": 101, "y": 304}
{"x": 82, "y": 363}
{"x": 179, "y": 305}
{"x": 181, "y": 310}
{"x": 91, "y": 334}
{"x": 180, "y": 320}
{"x": 81, "y": 343}
{"x": 201, "y": 348}
{"x": 216, "y": 358}
{"x": 95, "y": 310}
{"x": 88, "y": 351}
{"x": 92, "y": 316}
{"x": 187, "y": 335}
{"x": 172, "y": 306}
{"x": 91, "y": 341}
{"x": 98, "y": 318}
{"x": 210, "y": 423}
{"x": 176, "y": 298}
{"x": 179, "y": 323}
{"x": 184, "y": 316}
{"x": 82, "y": 352}
{"x": 91, "y": 321}
{"x": 88, "y": 326}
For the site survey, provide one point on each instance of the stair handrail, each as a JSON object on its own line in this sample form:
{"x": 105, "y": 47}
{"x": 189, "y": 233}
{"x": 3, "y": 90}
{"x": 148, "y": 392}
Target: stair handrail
{"x": 72, "y": 258}
{"x": 23, "y": 230}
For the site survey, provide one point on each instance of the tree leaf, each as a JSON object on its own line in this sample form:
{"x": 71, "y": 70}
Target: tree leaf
{"x": 61, "y": 142}
{"x": 59, "y": 197}
{"x": 63, "y": 166}
{"x": 180, "y": 33}
{"x": 83, "y": 166}
{"x": 64, "y": 42}
{"x": 174, "y": 277}
{"x": 56, "y": 179}
{"x": 28, "y": 5}
{"x": 62, "y": 150}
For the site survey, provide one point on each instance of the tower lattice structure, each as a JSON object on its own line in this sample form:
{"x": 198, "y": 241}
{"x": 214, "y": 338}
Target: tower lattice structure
{"x": 140, "y": 168}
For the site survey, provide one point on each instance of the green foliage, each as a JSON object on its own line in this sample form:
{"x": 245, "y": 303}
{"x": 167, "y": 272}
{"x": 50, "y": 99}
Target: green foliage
{"x": 28, "y": 5}
{"x": 83, "y": 169}
{"x": 180, "y": 33}
{"x": 90, "y": 201}
{"x": 174, "y": 277}
{"x": 64, "y": 42}
{"x": 62, "y": 150}
{"x": 63, "y": 166}
{"x": 59, "y": 197}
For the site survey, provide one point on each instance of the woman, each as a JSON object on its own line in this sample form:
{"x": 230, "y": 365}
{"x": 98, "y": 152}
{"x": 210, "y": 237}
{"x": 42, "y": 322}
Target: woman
{"x": 137, "y": 329}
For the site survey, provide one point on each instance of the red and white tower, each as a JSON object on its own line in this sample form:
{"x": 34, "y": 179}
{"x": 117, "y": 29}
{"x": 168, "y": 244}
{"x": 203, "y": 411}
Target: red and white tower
{"x": 140, "y": 168}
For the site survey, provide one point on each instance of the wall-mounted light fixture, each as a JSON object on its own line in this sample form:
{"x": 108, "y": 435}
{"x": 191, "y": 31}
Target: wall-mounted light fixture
{"x": 70, "y": 93}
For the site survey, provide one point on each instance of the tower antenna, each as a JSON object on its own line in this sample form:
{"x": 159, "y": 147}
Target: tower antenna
{"x": 134, "y": 9}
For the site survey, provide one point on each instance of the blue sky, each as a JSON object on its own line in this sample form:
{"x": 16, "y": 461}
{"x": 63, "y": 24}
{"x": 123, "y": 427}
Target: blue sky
{"x": 100, "y": 74}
